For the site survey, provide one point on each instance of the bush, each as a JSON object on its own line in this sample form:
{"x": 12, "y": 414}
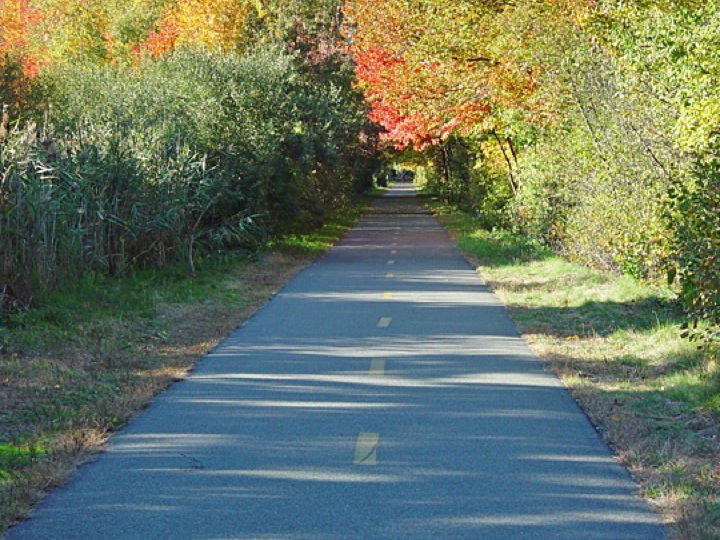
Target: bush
{"x": 197, "y": 152}
{"x": 595, "y": 187}
{"x": 698, "y": 232}
{"x": 16, "y": 89}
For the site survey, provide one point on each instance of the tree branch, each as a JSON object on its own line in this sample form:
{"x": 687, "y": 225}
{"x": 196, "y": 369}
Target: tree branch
{"x": 477, "y": 59}
{"x": 511, "y": 176}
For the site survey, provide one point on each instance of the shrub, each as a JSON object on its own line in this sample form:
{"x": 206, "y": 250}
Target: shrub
{"x": 698, "y": 228}
{"x": 595, "y": 187}
{"x": 197, "y": 152}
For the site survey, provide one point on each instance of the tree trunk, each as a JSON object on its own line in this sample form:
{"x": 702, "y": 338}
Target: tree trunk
{"x": 447, "y": 173}
{"x": 511, "y": 175}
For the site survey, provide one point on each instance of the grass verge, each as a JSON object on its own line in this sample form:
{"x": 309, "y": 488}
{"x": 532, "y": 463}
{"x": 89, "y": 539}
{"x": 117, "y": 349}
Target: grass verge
{"x": 616, "y": 344}
{"x": 75, "y": 369}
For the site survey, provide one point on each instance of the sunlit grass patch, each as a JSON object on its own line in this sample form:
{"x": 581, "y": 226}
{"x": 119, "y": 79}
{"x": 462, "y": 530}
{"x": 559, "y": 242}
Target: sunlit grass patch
{"x": 17, "y": 456}
{"x": 319, "y": 241}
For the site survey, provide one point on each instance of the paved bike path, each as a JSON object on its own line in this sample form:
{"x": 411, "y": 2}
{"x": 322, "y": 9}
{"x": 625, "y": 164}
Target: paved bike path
{"x": 383, "y": 394}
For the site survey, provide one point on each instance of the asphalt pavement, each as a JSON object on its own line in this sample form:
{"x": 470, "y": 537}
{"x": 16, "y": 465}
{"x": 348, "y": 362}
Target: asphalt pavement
{"x": 384, "y": 393}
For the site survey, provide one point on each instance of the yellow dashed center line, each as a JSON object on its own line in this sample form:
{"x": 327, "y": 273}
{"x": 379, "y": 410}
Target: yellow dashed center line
{"x": 377, "y": 367}
{"x": 390, "y": 275}
{"x": 366, "y": 449}
{"x": 391, "y": 262}
{"x": 384, "y": 322}
{"x": 393, "y": 252}
{"x": 387, "y": 294}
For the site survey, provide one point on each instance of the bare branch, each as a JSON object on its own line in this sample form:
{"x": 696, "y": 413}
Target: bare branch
{"x": 477, "y": 59}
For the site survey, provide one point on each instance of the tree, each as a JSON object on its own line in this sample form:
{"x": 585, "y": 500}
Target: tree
{"x": 430, "y": 69}
{"x": 217, "y": 24}
{"x": 17, "y": 20}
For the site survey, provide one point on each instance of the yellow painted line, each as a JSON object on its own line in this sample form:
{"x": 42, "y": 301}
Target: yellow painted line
{"x": 384, "y": 322}
{"x": 377, "y": 367}
{"x": 389, "y": 275}
{"x": 391, "y": 262}
{"x": 388, "y": 294}
{"x": 394, "y": 243}
{"x": 366, "y": 449}
{"x": 393, "y": 252}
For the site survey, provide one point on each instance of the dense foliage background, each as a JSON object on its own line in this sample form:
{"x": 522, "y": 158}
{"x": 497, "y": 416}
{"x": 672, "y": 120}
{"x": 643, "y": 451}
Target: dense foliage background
{"x": 139, "y": 133}
{"x": 134, "y": 133}
{"x": 592, "y": 124}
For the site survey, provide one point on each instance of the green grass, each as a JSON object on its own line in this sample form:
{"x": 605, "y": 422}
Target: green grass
{"x": 14, "y": 457}
{"x": 88, "y": 358}
{"x": 64, "y": 315}
{"x": 616, "y": 344}
{"x": 316, "y": 243}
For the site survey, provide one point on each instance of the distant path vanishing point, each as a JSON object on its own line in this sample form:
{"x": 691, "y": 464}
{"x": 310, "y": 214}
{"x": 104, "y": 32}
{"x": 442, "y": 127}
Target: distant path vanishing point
{"x": 383, "y": 394}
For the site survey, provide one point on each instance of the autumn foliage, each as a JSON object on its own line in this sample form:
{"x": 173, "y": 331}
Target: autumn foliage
{"x": 41, "y": 32}
{"x": 18, "y": 19}
{"x": 19, "y": 64}
{"x": 218, "y": 24}
{"x": 432, "y": 69}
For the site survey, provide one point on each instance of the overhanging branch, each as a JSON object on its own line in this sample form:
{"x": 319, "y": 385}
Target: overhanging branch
{"x": 477, "y": 59}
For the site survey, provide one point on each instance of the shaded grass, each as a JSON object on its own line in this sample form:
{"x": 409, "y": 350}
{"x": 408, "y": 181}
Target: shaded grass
{"x": 616, "y": 344}
{"x": 92, "y": 356}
